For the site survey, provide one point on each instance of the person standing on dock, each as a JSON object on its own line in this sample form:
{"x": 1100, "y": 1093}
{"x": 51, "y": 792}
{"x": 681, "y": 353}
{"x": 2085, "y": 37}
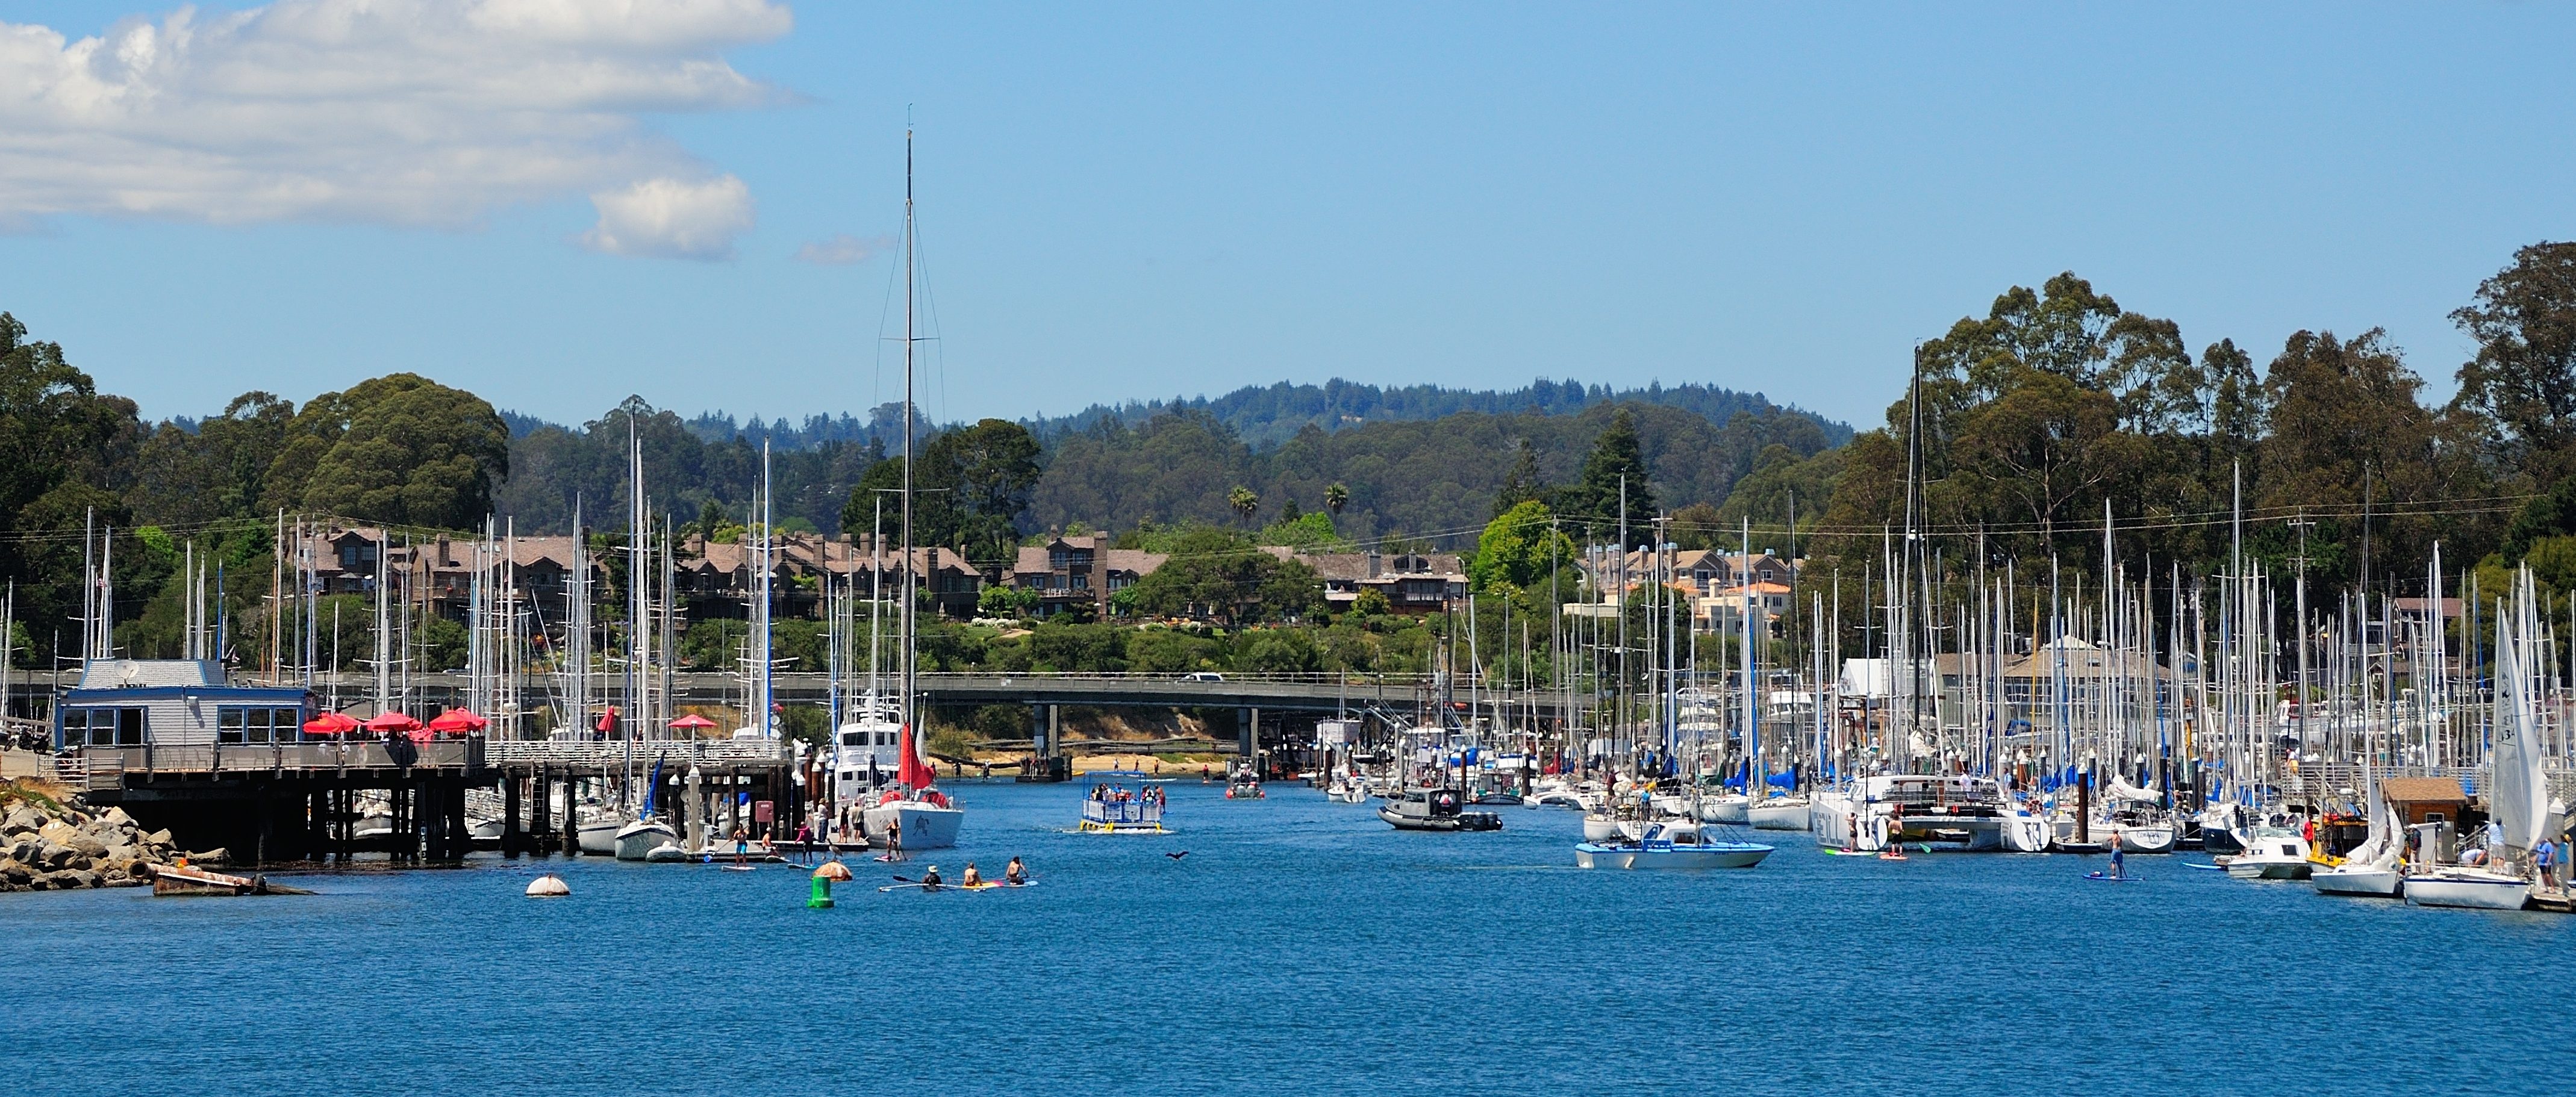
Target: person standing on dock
{"x": 2544, "y": 857}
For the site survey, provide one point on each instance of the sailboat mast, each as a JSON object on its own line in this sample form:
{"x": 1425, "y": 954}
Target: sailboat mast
{"x": 906, "y": 622}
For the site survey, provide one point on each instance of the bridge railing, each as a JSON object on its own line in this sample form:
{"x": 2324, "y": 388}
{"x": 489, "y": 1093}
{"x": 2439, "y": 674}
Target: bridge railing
{"x": 578, "y": 753}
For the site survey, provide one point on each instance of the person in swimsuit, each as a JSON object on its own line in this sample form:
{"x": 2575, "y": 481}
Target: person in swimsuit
{"x": 1015, "y": 873}
{"x": 972, "y": 877}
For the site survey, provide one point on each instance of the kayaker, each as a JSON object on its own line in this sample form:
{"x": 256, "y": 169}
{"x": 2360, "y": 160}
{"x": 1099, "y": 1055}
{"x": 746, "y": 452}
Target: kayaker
{"x": 1015, "y": 873}
{"x": 930, "y": 878}
{"x": 972, "y": 877}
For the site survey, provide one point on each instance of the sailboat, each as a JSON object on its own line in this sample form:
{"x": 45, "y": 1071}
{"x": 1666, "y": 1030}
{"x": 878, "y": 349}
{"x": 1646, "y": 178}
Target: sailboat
{"x": 2518, "y": 799}
{"x": 2371, "y": 868}
{"x": 928, "y": 819}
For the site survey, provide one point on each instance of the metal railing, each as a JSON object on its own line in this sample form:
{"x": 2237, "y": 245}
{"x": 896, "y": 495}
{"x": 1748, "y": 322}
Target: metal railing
{"x": 107, "y": 767}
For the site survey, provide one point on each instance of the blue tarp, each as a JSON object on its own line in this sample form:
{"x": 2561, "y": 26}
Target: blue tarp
{"x": 1783, "y": 780}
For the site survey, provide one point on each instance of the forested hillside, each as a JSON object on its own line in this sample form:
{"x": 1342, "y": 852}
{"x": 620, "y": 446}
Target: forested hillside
{"x": 1268, "y": 415}
{"x": 2054, "y": 407}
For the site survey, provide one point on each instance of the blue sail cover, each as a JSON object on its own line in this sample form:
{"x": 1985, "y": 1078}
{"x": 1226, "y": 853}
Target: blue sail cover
{"x": 1783, "y": 780}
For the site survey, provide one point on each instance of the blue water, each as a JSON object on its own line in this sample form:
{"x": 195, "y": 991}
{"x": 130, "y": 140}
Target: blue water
{"x": 1301, "y": 947}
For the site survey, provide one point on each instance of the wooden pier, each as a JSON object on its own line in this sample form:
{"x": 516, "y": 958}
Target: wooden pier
{"x": 268, "y": 803}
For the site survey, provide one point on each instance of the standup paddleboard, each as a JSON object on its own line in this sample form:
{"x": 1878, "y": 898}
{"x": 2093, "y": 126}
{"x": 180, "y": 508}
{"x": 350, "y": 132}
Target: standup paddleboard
{"x": 2205, "y": 868}
{"x": 2108, "y": 878}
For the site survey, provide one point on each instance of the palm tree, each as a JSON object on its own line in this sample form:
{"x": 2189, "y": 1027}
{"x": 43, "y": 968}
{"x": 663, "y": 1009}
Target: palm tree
{"x": 1336, "y": 497}
{"x": 1244, "y": 502}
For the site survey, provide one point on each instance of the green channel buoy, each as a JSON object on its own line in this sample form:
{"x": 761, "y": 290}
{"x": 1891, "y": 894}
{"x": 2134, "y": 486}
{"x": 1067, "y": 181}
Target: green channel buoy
{"x": 822, "y": 896}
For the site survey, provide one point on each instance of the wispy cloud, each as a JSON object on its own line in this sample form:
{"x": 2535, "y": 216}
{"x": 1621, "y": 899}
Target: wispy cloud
{"x": 401, "y": 112}
{"x": 842, "y": 249}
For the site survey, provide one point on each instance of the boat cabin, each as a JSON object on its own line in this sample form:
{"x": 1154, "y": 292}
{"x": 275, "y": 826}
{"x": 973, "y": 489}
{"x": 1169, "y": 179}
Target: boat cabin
{"x": 175, "y": 702}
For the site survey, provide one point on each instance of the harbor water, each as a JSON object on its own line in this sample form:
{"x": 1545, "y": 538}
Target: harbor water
{"x": 1298, "y": 947}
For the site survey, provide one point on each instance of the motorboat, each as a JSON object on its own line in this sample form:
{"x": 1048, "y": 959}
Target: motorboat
{"x": 1435, "y": 809}
{"x": 1676, "y": 828}
{"x": 636, "y": 839}
{"x": 1661, "y": 848}
{"x": 2272, "y": 853}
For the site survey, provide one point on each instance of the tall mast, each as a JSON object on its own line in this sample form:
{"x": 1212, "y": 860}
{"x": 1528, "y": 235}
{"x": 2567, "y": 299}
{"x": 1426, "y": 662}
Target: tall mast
{"x": 908, "y": 340}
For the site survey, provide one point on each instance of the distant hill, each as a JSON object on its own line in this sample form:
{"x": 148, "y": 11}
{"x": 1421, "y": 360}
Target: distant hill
{"x": 1261, "y": 416}
{"x": 1266, "y": 416}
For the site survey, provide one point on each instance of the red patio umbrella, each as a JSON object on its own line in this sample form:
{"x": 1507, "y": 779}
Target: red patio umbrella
{"x": 693, "y": 722}
{"x": 458, "y": 720}
{"x": 392, "y": 721}
{"x": 331, "y": 723}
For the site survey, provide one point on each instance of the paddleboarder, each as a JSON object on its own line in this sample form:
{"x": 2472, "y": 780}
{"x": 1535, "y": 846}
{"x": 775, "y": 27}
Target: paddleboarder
{"x": 972, "y": 878}
{"x": 2119, "y": 862}
{"x": 1015, "y": 873}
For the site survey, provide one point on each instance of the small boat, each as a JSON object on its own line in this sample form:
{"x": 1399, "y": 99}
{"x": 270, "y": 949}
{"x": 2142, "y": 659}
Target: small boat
{"x": 597, "y": 834}
{"x": 1657, "y": 851}
{"x": 666, "y": 853}
{"x": 185, "y": 880}
{"x": 2370, "y": 870}
{"x": 2272, "y": 853}
{"x": 1245, "y": 790}
{"x": 1497, "y": 798}
{"x": 1436, "y": 810}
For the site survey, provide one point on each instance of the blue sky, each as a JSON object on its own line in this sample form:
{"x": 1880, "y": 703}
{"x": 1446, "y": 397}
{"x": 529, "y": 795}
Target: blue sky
{"x": 1141, "y": 201}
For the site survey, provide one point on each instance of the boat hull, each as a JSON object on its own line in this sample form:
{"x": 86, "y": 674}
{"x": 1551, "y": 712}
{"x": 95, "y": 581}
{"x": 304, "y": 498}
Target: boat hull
{"x": 1779, "y": 815}
{"x": 1682, "y": 857}
{"x": 2474, "y": 890}
{"x": 598, "y": 837}
{"x": 925, "y": 826}
{"x": 2147, "y": 839}
{"x": 1600, "y": 829}
{"x": 1724, "y": 809}
{"x": 2249, "y": 868}
{"x": 2382, "y": 883}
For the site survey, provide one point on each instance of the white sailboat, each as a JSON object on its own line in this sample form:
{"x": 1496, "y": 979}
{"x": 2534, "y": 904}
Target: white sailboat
{"x": 926, "y": 817}
{"x": 2371, "y": 869}
{"x": 2518, "y": 795}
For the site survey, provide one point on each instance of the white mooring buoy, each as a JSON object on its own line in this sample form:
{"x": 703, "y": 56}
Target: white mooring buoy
{"x": 548, "y": 886}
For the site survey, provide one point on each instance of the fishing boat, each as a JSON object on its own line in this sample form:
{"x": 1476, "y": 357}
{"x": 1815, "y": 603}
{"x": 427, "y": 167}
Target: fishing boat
{"x": 1435, "y": 809}
{"x": 2272, "y": 853}
{"x": 1659, "y": 848}
{"x": 1110, "y": 809}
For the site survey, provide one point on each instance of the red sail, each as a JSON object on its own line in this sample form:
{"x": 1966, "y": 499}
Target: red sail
{"x": 912, "y": 769}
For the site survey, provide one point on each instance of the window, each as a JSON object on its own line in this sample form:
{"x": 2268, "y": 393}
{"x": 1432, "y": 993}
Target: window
{"x": 103, "y": 727}
{"x": 259, "y": 725}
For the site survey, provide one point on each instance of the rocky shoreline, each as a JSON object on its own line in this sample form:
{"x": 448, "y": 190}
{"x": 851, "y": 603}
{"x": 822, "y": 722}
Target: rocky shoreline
{"x": 52, "y": 841}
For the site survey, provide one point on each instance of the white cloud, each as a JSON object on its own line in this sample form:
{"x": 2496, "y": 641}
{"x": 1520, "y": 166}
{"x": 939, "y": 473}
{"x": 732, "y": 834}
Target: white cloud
{"x": 401, "y": 112}
{"x": 672, "y": 219}
{"x": 841, "y": 249}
